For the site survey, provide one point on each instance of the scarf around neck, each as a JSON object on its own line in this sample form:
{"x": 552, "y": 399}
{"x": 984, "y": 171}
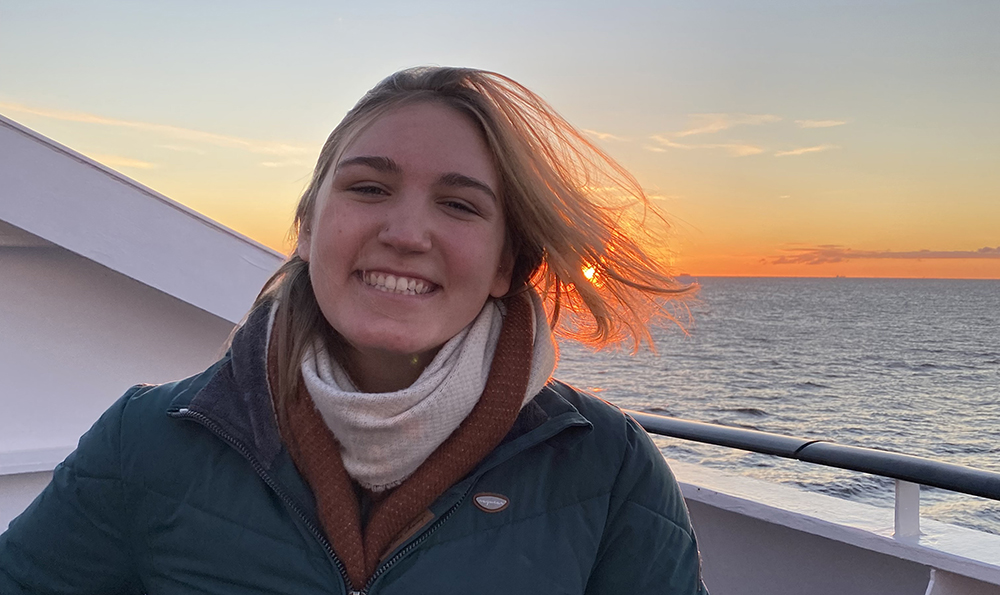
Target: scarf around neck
{"x": 384, "y": 437}
{"x": 397, "y": 513}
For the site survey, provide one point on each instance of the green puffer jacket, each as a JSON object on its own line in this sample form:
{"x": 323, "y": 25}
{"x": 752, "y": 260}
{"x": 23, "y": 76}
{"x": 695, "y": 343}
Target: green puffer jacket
{"x": 186, "y": 488}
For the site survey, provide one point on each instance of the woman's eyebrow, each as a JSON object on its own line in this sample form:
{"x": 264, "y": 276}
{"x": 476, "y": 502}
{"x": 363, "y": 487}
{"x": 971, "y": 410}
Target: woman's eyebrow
{"x": 382, "y": 164}
{"x": 454, "y": 179}
{"x": 387, "y": 165}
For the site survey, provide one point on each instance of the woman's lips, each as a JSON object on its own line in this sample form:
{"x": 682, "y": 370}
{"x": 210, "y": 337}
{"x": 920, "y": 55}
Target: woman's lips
{"x": 391, "y": 283}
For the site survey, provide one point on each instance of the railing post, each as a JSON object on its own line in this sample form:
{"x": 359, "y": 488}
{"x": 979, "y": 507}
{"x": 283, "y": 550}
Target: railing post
{"x": 907, "y": 525}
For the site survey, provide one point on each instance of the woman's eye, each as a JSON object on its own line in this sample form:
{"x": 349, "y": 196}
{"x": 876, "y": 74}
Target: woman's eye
{"x": 368, "y": 190}
{"x": 460, "y": 206}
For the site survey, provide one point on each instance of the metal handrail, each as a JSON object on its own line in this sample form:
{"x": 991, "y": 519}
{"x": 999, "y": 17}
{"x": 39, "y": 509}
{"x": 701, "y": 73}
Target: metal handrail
{"x": 956, "y": 478}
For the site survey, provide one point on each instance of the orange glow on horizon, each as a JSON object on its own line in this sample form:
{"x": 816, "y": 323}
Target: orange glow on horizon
{"x": 750, "y": 265}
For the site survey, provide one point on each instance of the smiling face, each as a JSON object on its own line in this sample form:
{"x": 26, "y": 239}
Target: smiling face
{"x": 406, "y": 242}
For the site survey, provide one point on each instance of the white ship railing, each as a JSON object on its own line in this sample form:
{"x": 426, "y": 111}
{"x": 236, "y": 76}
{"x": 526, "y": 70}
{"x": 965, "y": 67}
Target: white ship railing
{"x": 910, "y": 472}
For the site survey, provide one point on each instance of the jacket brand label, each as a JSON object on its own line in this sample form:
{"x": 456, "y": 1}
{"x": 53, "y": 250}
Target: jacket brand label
{"x": 490, "y": 502}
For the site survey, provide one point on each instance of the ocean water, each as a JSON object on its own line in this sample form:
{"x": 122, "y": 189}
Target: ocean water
{"x": 910, "y": 366}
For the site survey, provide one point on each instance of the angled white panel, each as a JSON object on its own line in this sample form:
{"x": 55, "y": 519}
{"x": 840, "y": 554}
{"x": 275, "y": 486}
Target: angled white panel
{"x": 74, "y": 202}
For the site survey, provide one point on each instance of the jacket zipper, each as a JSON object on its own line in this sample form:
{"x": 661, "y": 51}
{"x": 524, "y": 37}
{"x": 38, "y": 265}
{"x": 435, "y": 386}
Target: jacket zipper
{"x": 413, "y": 544}
{"x": 216, "y": 429}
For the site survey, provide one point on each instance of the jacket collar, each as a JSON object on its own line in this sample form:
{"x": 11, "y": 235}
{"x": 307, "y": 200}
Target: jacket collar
{"x": 237, "y": 397}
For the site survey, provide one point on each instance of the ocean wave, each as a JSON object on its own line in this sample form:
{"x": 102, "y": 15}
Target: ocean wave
{"x": 745, "y": 410}
{"x": 867, "y": 487}
{"x": 809, "y": 384}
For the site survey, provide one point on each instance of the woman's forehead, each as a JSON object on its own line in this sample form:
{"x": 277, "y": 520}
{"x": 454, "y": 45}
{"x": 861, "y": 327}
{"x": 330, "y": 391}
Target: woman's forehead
{"x": 428, "y": 137}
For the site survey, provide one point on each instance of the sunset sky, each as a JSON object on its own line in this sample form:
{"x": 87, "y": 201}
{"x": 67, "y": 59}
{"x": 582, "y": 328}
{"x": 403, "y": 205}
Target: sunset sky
{"x": 782, "y": 138}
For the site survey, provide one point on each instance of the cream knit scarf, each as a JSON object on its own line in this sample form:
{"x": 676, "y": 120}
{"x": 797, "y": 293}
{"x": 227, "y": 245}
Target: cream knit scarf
{"x": 384, "y": 437}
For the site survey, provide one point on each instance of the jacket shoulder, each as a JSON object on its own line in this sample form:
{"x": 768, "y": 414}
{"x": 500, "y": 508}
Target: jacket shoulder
{"x": 171, "y": 395}
{"x": 643, "y": 479}
{"x": 608, "y": 421}
{"x": 648, "y": 525}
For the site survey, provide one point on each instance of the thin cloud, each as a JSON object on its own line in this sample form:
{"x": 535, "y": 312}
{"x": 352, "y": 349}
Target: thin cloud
{"x": 286, "y": 163}
{"x": 186, "y": 134}
{"x": 828, "y": 254}
{"x": 819, "y": 123}
{"x": 804, "y": 150}
{"x": 114, "y": 161}
{"x": 710, "y": 123}
{"x": 603, "y": 135}
{"x": 666, "y": 142}
{"x": 654, "y": 149}
{"x": 182, "y": 149}
{"x": 736, "y": 149}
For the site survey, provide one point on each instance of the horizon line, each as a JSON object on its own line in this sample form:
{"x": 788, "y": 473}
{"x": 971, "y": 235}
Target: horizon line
{"x": 845, "y": 277}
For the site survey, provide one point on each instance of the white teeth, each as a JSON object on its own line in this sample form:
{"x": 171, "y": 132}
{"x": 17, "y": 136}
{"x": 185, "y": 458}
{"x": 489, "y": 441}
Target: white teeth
{"x": 392, "y": 283}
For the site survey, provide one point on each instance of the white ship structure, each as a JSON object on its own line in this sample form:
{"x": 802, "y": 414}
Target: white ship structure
{"x": 105, "y": 283}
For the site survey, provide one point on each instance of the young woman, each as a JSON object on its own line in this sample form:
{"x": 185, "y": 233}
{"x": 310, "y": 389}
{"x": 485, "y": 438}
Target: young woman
{"x": 385, "y": 421}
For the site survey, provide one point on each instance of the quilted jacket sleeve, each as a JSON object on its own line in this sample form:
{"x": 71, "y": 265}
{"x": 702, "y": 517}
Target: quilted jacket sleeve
{"x": 73, "y": 539}
{"x": 648, "y": 545}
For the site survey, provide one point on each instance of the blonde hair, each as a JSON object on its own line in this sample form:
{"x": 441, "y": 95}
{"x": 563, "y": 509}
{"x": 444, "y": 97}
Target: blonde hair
{"x": 575, "y": 218}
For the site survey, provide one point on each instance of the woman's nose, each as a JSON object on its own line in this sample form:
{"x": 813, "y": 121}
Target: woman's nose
{"x": 407, "y": 226}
